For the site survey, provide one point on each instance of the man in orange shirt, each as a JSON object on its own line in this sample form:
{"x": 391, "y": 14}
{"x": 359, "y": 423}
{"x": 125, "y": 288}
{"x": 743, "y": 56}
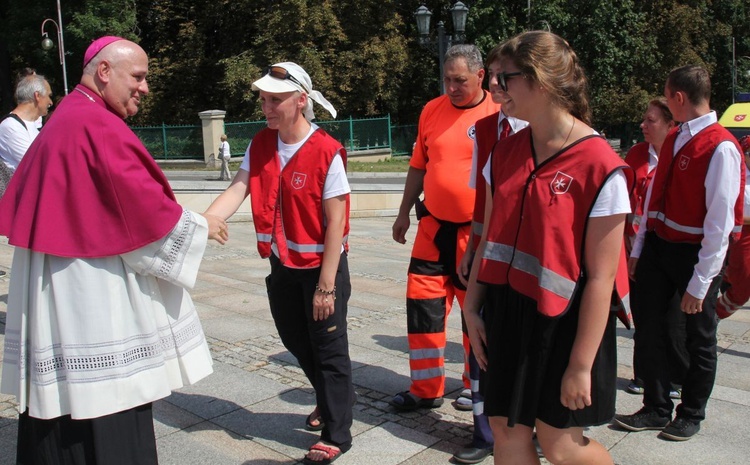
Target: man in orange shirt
{"x": 440, "y": 167}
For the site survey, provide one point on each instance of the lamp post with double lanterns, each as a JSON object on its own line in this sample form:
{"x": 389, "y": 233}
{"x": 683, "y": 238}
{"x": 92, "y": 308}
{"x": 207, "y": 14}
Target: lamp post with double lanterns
{"x": 47, "y": 43}
{"x": 459, "y": 11}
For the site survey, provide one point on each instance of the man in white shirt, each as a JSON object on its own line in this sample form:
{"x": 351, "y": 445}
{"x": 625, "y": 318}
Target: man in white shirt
{"x": 692, "y": 206}
{"x": 18, "y": 129}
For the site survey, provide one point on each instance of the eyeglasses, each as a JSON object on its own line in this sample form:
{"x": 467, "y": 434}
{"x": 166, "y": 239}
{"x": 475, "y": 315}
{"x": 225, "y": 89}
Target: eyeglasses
{"x": 502, "y": 79}
{"x": 281, "y": 73}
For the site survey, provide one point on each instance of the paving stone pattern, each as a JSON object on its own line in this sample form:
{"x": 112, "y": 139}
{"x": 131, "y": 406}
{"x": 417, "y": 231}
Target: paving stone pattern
{"x": 251, "y": 411}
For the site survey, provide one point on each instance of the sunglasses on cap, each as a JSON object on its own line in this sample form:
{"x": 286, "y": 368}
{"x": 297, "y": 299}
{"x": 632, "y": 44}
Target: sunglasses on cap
{"x": 502, "y": 79}
{"x": 281, "y": 73}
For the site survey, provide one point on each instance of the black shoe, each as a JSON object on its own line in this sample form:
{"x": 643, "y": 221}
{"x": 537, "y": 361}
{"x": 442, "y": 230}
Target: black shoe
{"x": 681, "y": 429}
{"x": 406, "y": 402}
{"x": 2, "y": 273}
{"x": 471, "y": 455}
{"x": 635, "y": 387}
{"x": 642, "y": 420}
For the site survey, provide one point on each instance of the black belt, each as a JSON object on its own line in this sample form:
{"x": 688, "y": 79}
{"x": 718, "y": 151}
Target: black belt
{"x": 445, "y": 241}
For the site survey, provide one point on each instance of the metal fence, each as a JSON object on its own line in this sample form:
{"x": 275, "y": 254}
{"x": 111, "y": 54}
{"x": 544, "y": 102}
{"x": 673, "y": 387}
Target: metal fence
{"x": 402, "y": 139}
{"x": 172, "y": 142}
{"x": 186, "y": 142}
{"x": 239, "y": 135}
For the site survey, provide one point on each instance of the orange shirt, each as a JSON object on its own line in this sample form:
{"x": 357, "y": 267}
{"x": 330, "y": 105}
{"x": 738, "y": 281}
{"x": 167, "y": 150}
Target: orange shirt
{"x": 445, "y": 141}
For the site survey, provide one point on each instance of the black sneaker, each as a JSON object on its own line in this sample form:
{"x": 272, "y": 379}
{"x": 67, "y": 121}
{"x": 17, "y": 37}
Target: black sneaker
{"x": 681, "y": 429}
{"x": 635, "y": 387}
{"x": 642, "y": 420}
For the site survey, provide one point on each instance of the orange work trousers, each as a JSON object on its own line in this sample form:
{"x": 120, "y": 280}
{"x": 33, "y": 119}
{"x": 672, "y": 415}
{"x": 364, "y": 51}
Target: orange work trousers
{"x": 430, "y": 291}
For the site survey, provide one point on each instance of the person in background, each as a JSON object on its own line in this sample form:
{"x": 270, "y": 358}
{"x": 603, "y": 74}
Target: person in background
{"x": 28, "y": 72}
{"x": 643, "y": 157}
{"x": 296, "y": 164}
{"x": 18, "y": 129}
{"x": 693, "y": 206}
{"x": 488, "y": 131}
{"x": 440, "y": 168}
{"x": 225, "y": 155}
{"x": 736, "y": 284}
{"x": 545, "y": 268}
{"x": 100, "y": 324}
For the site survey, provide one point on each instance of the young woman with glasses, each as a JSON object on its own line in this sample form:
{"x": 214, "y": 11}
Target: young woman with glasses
{"x": 557, "y": 197}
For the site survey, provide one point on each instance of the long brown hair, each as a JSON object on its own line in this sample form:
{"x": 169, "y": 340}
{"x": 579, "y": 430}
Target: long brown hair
{"x": 548, "y": 60}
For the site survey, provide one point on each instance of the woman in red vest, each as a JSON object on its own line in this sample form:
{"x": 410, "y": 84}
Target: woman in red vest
{"x": 643, "y": 157}
{"x": 546, "y": 264}
{"x": 295, "y": 174}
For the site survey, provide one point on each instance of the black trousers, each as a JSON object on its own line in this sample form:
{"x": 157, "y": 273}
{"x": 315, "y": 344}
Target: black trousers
{"x": 321, "y": 347}
{"x": 122, "y": 438}
{"x": 678, "y": 354}
{"x": 663, "y": 269}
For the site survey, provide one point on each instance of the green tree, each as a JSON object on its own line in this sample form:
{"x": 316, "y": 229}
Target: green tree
{"x": 364, "y": 54}
{"x": 83, "y": 21}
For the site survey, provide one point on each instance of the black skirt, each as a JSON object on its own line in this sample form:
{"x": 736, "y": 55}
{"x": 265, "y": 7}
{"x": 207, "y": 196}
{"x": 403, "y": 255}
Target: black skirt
{"x": 122, "y": 438}
{"x": 528, "y": 354}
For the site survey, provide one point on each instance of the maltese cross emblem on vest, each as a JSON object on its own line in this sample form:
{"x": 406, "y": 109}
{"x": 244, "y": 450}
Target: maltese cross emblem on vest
{"x": 684, "y": 162}
{"x": 561, "y": 183}
{"x": 298, "y": 180}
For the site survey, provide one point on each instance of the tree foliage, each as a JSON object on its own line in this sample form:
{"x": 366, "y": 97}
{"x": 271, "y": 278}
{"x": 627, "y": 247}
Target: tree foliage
{"x": 363, "y": 54}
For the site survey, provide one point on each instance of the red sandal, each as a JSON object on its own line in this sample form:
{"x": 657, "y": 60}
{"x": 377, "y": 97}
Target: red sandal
{"x": 333, "y": 454}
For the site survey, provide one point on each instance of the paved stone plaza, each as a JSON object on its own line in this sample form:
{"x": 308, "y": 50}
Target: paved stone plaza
{"x": 252, "y": 410}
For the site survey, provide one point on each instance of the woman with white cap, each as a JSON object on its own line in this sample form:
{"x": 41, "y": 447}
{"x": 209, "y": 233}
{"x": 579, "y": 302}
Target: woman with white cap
{"x": 296, "y": 177}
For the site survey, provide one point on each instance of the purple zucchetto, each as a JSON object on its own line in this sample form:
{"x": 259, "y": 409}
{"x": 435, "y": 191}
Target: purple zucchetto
{"x": 97, "y": 46}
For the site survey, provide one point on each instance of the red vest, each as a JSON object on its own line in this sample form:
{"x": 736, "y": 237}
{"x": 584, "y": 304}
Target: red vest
{"x": 677, "y": 208}
{"x": 638, "y": 157}
{"x": 535, "y": 241}
{"x": 486, "y": 134}
{"x": 288, "y": 204}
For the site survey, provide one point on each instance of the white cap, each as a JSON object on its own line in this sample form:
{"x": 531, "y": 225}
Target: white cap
{"x": 299, "y": 82}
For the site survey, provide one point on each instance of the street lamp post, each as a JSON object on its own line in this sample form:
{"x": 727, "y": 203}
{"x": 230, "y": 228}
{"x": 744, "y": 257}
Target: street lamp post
{"x": 47, "y": 43}
{"x": 459, "y": 12}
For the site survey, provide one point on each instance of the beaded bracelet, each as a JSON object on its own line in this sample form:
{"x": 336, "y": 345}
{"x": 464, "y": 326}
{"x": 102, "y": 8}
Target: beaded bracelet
{"x": 331, "y": 292}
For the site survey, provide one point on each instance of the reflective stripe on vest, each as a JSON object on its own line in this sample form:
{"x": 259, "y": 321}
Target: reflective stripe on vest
{"x": 311, "y": 248}
{"x": 673, "y": 225}
{"x": 263, "y": 237}
{"x": 301, "y": 248}
{"x": 548, "y": 279}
